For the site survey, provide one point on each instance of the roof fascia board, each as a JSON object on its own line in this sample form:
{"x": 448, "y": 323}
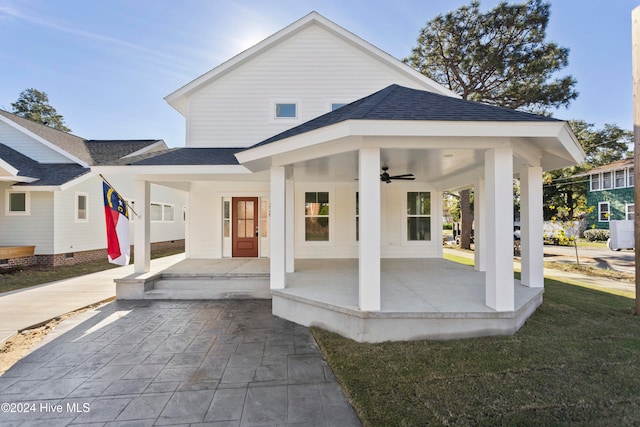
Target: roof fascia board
{"x": 403, "y": 128}
{"x": 158, "y": 144}
{"x": 24, "y": 179}
{"x": 44, "y": 142}
{"x": 172, "y": 169}
{"x": 8, "y": 168}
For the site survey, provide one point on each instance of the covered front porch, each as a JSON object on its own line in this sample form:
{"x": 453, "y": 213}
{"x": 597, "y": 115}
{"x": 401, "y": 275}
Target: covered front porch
{"x": 421, "y": 298}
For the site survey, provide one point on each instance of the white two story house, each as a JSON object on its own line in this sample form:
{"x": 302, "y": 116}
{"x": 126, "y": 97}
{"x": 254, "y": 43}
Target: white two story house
{"x": 325, "y": 158}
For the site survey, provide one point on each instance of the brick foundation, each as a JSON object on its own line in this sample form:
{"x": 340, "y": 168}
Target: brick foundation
{"x": 73, "y": 258}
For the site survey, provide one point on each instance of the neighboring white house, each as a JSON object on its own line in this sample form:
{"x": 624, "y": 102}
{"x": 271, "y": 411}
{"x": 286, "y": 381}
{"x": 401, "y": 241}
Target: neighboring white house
{"x": 51, "y": 204}
{"x": 285, "y": 149}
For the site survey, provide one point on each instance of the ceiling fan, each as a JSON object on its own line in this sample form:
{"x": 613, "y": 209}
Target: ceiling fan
{"x": 384, "y": 176}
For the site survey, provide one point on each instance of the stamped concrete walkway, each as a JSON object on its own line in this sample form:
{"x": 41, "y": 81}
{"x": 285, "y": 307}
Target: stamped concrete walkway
{"x": 144, "y": 363}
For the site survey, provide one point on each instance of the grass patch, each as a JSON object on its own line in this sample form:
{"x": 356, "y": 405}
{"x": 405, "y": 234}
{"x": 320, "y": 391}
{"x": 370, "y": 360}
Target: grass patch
{"x": 575, "y": 362}
{"x": 25, "y": 277}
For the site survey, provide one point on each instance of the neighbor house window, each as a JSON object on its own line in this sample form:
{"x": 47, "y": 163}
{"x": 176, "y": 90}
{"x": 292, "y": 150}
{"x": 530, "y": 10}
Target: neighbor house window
{"x": 620, "y": 178}
{"x": 17, "y": 203}
{"x": 418, "y": 215}
{"x": 606, "y": 180}
{"x": 286, "y": 110}
{"x": 81, "y": 207}
{"x": 316, "y": 216}
{"x": 630, "y": 178}
{"x": 595, "y": 182}
{"x": 161, "y": 212}
{"x": 630, "y": 211}
{"x": 603, "y": 212}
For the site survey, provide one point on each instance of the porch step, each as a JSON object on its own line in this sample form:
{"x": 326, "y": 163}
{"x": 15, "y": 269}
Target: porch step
{"x": 211, "y": 287}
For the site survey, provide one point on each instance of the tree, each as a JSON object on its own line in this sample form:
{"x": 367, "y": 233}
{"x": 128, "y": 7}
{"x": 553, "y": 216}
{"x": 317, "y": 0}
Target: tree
{"x": 34, "y": 105}
{"x": 499, "y": 57}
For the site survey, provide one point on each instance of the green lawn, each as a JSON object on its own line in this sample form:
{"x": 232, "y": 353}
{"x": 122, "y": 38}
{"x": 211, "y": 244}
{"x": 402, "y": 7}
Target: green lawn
{"x": 34, "y": 275}
{"x": 575, "y": 362}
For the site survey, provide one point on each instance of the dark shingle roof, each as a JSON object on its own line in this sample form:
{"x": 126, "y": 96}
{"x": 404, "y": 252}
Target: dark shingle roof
{"x": 401, "y": 103}
{"x": 105, "y": 151}
{"x": 72, "y": 144}
{"x": 92, "y": 152}
{"x": 46, "y": 173}
{"x": 185, "y": 156}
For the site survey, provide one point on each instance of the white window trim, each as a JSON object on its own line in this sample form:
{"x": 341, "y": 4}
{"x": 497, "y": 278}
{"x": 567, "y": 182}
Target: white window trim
{"x": 608, "y": 211}
{"x": 330, "y": 103}
{"x": 624, "y": 178}
{"x": 272, "y": 110}
{"x": 86, "y": 207}
{"x": 27, "y": 203}
{"x": 162, "y": 206}
{"x": 611, "y": 181}
{"x": 599, "y": 180}
{"x": 405, "y": 216}
{"x": 301, "y": 206}
{"x": 626, "y": 211}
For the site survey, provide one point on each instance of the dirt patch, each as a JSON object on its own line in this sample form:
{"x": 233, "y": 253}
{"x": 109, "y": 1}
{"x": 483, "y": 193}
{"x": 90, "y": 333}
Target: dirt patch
{"x": 21, "y": 344}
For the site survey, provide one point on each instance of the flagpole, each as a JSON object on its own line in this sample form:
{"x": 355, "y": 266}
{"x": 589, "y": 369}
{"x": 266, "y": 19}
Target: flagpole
{"x": 119, "y": 195}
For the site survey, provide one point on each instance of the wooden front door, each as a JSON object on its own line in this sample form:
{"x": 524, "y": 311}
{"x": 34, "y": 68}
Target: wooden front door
{"x": 244, "y": 233}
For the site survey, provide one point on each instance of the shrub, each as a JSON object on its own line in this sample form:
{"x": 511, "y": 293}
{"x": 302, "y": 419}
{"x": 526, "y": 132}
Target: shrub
{"x": 447, "y": 226}
{"x": 596, "y": 235}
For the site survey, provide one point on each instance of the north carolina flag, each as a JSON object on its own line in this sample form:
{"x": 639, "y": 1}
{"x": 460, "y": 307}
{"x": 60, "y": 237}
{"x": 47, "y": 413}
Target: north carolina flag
{"x": 116, "y": 215}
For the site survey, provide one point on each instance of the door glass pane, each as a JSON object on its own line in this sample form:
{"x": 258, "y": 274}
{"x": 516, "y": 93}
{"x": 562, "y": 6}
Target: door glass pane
{"x": 241, "y": 228}
{"x": 226, "y": 224}
{"x": 250, "y": 228}
{"x": 241, "y": 212}
{"x": 264, "y": 213}
{"x": 226, "y": 213}
{"x": 249, "y": 210}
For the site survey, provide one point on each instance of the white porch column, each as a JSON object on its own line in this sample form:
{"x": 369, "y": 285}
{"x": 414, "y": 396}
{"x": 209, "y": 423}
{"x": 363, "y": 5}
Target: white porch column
{"x": 532, "y": 248}
{"x": 499, "y": 232}
{"x": 480, "y": 225}
{"x": 369, "y": 245}
{"x": 142, "y": 233}
{"x": 290, "y": 221}
{"x": 277, "y": 237}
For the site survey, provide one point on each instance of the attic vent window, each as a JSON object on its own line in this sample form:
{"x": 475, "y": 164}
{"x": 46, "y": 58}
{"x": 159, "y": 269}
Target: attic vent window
{"x": 286, "y": 110}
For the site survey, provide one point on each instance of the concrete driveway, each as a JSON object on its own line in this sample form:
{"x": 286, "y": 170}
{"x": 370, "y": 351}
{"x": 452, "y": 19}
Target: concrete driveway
{"x": 146, "y": 363}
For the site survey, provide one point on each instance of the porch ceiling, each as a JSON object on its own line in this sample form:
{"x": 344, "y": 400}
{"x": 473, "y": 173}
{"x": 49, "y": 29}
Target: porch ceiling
{"x": 426, "y": 164}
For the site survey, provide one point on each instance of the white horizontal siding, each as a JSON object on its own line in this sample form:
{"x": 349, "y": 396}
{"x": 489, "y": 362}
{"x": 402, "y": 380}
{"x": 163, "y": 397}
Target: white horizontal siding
{"x": 342, "y": 222}
{"x": 26, "y": 230}
{"x": 314, "y": 68}
{"x": 28, "y": 146}
{"x": 205, "y": 210}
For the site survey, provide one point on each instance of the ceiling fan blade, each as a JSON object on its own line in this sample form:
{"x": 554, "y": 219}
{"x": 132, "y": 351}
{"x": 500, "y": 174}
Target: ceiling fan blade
{"x": 401, "y": 176}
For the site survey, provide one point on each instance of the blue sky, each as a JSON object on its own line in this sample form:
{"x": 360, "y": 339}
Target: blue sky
{"x": 106, "y": 65}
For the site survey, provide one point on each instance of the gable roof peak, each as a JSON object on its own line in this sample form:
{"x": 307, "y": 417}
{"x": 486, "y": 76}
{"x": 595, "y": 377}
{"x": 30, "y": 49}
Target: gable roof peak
{"x": 178, "y": 99}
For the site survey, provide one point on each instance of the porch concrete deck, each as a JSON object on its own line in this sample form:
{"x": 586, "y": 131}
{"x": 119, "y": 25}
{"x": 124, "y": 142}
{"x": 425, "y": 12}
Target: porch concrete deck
{"x": 420, "y": 298}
